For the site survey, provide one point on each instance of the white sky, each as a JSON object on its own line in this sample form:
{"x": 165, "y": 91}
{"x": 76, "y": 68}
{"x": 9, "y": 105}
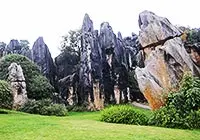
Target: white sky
{"x": 29, "y": 19}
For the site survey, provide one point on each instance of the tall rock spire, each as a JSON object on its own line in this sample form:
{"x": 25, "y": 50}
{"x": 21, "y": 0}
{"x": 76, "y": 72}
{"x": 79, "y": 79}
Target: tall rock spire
{"x": 42, "y": 57}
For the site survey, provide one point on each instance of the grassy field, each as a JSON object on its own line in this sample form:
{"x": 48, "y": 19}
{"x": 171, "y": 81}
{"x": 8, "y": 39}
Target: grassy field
{"x": 82, "y": 126}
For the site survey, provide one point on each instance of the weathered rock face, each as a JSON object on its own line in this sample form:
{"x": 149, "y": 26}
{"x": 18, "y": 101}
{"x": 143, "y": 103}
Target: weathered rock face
{"x": 26, "y": 51}
{"x": 90, "y": 67}
{"x": 165, "y": 58}
{"x": 18, "y": 85}
{"x": 66, "y": 64}
{"x": 155, "y": 29}
{"x": 105, "y": 61}
{"x": 42, "y": 57}
{"x": 132, "y": 47}
{"x": 108, "y": 43}
{"x": 68, "y": 87}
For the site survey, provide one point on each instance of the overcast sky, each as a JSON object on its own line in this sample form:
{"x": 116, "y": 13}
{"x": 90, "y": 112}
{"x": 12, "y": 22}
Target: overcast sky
{"x": 29, "y": 19}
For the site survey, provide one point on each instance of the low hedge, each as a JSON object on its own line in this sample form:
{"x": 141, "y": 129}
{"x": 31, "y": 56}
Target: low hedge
{"x": 124, "y": 114}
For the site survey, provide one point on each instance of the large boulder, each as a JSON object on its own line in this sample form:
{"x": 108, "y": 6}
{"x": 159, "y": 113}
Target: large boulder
{"x": 42, "y": 57}
{"x": 18, "y": 85}
{"x": 165, "y": 58}
{"x": 155, "y": 29}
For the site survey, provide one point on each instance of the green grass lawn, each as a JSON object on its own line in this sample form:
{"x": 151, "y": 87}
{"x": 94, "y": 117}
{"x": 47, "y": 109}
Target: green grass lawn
{"x": 82, "y": 126}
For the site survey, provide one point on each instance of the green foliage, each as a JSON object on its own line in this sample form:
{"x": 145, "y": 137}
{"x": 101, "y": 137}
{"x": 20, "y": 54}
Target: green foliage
{"x": 124, "y": 114}
{"x": 193, "y": 36}
{"x": 44, "y": 107}
{"x": 29, "y": 68}
{"x": 41, "y": 88}
{"x": 70, "y": 53}
{"x": 6, "y": 97}
{"x": 181, "y": 110}
{"x": 132, "y": 82}
{"x": 34, "y": 80}
{"x": 71, "y": 42}
{"x": 187, "y": 98}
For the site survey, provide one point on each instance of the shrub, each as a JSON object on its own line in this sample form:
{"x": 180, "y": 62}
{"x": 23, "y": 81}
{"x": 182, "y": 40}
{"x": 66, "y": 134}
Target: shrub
{"x": 166, "y": 117}
{"x": 41, "y": 88}
{"x": 6, "y": 97}
{"x": 44, "y": 107}
{"x": 31, "y": 74}
{"x": 181, "y": 110}
{"x": 124, "y": 114}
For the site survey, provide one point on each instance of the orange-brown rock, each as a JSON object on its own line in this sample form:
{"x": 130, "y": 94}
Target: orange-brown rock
{"x": 165, "y": 58}
{"x": 98, "y": 96}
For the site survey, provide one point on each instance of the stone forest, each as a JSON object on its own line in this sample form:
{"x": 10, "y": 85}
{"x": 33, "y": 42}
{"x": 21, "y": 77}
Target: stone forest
{"x": 98, "y": 70}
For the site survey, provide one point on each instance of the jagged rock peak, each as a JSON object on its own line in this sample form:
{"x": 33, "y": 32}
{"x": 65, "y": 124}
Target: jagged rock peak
{"x": 107, "y": 37}
{"x": 155, "y": 29}
{"x": 42, "y": 57}
{"x": 40, "y": 40}
{"x": 87, "y": 24}
{"x": 105, "y": 26}
{"x": 13, "y": 46}
{"x": 119, "y": 36}
{"x": 13, "y": 42}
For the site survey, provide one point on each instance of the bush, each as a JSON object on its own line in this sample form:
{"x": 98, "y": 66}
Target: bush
{"x": 181, "y": 110}
{"x": 41, "y": 88}
{"x": 124, "y": 114}
{"x": 166, "y": 117}
{"x": 6, "y": 97}
{"x": 44, "y": 107}
{"x": 31, "y": 74}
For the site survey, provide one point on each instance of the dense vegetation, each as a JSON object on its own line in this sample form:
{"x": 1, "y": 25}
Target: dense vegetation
{"x": 6, "y": 97}
{"x": 193, "y": 36}
{"x": 38, "y": 86}
{"x": 182, "y": 108}
{"x": 44, "y": 107}
{"x": 124, "y": 114}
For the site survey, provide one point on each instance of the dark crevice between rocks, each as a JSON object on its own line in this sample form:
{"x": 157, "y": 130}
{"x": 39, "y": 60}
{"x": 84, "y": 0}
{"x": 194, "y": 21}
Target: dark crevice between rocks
{"x": 160, "y": 42}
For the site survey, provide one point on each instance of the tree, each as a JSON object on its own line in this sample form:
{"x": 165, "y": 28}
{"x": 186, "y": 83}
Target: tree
{"x": 72, "y": 42}
{"x": 38, "y": 87}
{"x": 24, "y": 44}
{"x": 2, "y": 48}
